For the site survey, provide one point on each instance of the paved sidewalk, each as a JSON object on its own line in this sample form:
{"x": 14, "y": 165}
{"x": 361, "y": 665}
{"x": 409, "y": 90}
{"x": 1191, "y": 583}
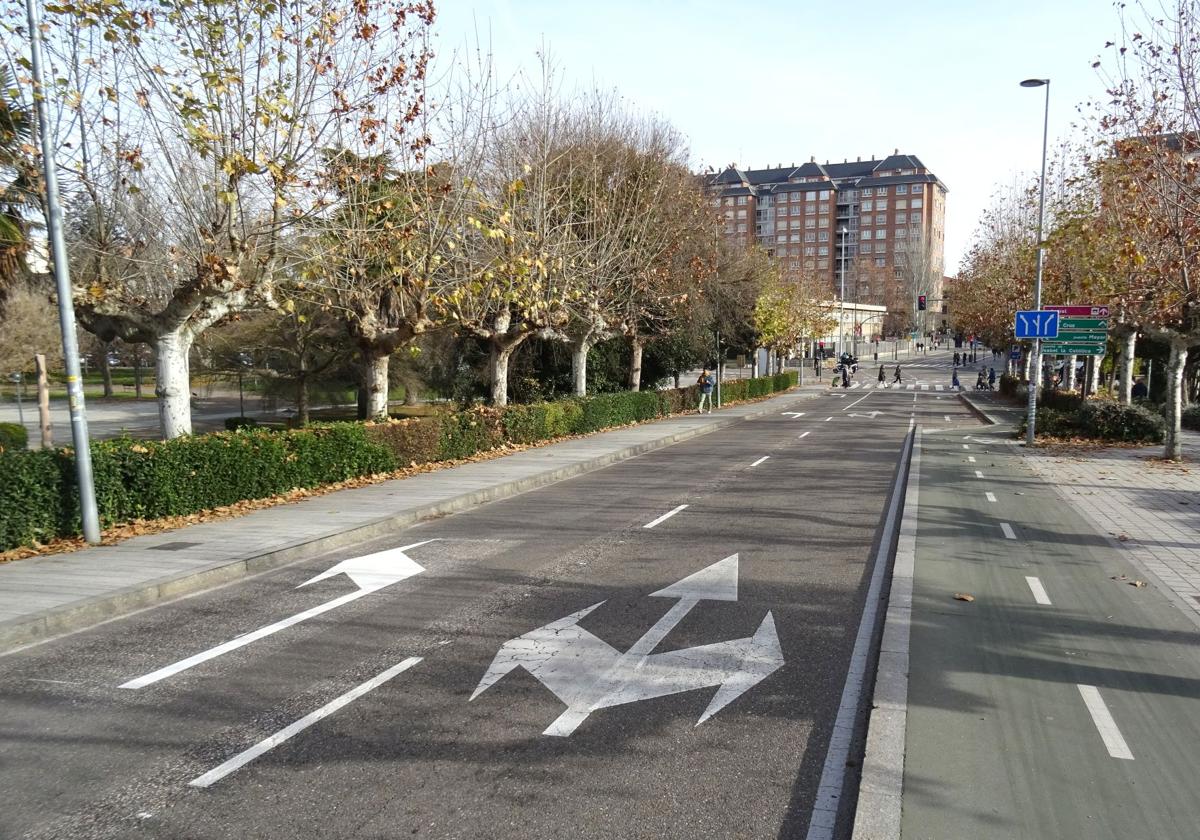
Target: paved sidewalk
{"x": 44, "y": 596}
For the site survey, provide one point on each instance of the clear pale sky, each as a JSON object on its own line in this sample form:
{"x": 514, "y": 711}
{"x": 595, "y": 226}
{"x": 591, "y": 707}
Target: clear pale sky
{"x": 763, "y": 82}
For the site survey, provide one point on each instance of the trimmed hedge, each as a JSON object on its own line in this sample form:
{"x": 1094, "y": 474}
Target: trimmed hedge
{"x": 137, "y": 479}
{"x": 1100, "y": 420}
{"x": 1061, "y": 400}
{"x": 1190, "y": 419}
{"x": 150, "y": 479}
{"x": 13, "y": 436}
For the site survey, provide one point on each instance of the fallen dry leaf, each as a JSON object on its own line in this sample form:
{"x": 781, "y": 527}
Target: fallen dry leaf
{"x": 1138, "y": 583}
{"x": 962, "y": 596}
{"x": 1122, "y": 537}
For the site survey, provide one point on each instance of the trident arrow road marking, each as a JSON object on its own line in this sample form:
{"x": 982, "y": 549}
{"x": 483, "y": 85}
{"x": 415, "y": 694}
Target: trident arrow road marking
{"x": 872, "y": 415}
{"x": 370, "y": 573}
{"x": 588, "y": 674}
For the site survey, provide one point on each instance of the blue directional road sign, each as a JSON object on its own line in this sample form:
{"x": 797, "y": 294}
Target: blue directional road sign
{"x": 1014, "y": 352}
{"x": 1037, "y": 323}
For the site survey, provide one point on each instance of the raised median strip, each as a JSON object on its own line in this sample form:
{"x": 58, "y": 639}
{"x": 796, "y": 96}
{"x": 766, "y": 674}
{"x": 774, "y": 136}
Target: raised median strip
{"x": 42, "y": 597}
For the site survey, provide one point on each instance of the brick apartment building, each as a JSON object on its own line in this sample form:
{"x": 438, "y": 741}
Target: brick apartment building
{"x": 858, "y": 219}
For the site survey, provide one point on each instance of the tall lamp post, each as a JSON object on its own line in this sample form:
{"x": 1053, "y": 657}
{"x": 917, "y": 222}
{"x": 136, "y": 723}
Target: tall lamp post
{"x": 1035, "y": 373}
{"x": 66, "y": 309}
{"x": 842, "y": 296}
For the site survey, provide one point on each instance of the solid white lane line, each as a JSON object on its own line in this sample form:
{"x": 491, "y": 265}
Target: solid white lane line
{"x": 1109, "y": 733}
{"x": 978, "y": 474}
{"x": 1009, "y": 534}
{"x": 856, "y": 402}
{"x": 991, "y": 497}
{"x": 971, "y": 459}
{"x": 760, "y": 460}
{"x": 664, "y": 517}
{"x": 806, "y": 434}
{"x": 267, "y": 744}
{"x": 1039, "y": 591}
{"x": 242, "y": 641}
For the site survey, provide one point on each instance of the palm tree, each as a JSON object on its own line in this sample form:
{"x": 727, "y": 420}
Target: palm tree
{"x": 19, "y": 187}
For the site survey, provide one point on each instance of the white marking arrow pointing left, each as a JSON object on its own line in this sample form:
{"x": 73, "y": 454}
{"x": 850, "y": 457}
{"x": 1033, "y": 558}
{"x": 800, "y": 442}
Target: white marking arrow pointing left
{"x": 370, "y": 573}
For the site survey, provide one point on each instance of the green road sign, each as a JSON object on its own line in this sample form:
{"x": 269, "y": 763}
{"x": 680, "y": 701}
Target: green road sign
{"x": 1070, "y": 324}
{"x": 1079, "y": 337}
{"x": 1073, "y": 349}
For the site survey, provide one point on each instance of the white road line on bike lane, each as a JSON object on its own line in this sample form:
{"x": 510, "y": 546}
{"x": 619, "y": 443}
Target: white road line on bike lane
{"x": 856, "y": 402}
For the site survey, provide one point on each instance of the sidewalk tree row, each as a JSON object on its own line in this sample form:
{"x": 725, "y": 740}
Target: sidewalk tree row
{"x": 1123, "y": 214}
{"x": 230, "y": 157}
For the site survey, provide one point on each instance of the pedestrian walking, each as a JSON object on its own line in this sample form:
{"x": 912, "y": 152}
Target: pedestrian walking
{"x": 897, "y": 379}
{"x": 956, "y": 359}
{"x": 817, "y": 365}
{"x": 991, "y": 379}
{"x": 706, "y": 388}
{"x": 845, "y": 376}
{"x": 954, "y": 383}
{"x": 882, "y": 376}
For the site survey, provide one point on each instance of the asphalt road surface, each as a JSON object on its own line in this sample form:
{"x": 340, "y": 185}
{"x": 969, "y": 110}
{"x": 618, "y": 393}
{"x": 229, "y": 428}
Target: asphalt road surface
{"x": 408, "y": 709}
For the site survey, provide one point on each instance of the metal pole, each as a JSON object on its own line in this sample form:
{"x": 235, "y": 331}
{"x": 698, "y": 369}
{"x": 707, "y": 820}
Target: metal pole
{"x": 62, "y": 279}
{"x": 842, "y": 299}
{"x": 20, "y": 411}
{"x": 1031, "y": 417}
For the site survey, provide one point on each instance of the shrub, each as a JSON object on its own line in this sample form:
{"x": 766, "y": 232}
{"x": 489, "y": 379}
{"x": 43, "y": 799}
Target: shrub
{"x": 1008, "y": 385}
{"x": 13, "y": 436}
{"x": 1061, "y": 400}
{"x": 1107, "y": 420}
{"x": 232, "y": 424}
{"x": 470, "y": 430}
{"x": 412, "y": 441}
{"x": 1052, "y": 423}
{"x": 1191, "y": 418}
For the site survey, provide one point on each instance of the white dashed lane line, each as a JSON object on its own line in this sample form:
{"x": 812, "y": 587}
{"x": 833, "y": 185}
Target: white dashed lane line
{"x": 806, "y": 434}
{"x": 1008, "y": 531}
{"x": 978, "y": 474}
{"x": 664, "y": 517}
{"x": 760, "y": 460}
{"x": 1039, "y": 591}
{"x": 991, "y": 497}
{"x": 1114, "y": 742}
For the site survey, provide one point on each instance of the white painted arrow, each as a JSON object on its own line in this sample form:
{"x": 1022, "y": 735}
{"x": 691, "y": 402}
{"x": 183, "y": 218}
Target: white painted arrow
{"x": 370, "y": 573}
{"x": 587, "y": 673}
{"x": 793, "y": 414}
{"x": 872, "y": 414}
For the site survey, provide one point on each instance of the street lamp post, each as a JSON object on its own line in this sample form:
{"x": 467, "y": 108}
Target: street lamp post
{"x": 842, "y": 296}
{"x": 1035, "y": 372}
{"x": 89, "y": 516}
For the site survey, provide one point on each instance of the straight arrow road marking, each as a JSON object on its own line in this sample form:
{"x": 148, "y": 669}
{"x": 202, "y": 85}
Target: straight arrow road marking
{"x": 760, "y": 460}
{"x": 1039, "y": 591}
{"x": 1008, "y": 531}
{"x": 971, "y": 459}
{"x": 991, "y": 497}
{"x": 978, "y": 474}
{"x": 371, "y": 572}
{"x": 268, "y": 744}
{"x": 664, "y": 517}
{"x": 1114, "y": 742}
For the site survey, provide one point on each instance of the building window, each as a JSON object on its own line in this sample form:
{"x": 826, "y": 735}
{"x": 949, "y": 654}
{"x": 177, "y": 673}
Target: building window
{"x": 811, "y": 208}
{"x": 822, "y": 264}
{"x": 916, "y": 189}
{"x": 823, "y": 251}
{"x": 811, "y": 236}
{"x": 728, "y": 214}
{"x": 881, "y": 219}
{"x": 812, "y": 196}
{"x": 795, "y": 211}
{"x": 867, "y": 207}
{"x": 729, "y": 202}
{"x": 849, "y": 195}
{"x": 902, "y": 189}
{"x": 908, "y": 172}
{"x": 742, "y": 227}
{"x": 795, "y": 237}
{"x": 881, "y": 205}
{"x": 881, "y": 191}
{"x": 796, "y": 223}
{"x": 823, "y": 222}
{"x": 824, "y": 208}
{"x": 793, "y": 265}
{"x": 901, "y": 204}
{"x": 866, "y": 191}
{"x": 901, "y": 232}
{"x": 880, "y": 247}
{"x": 881, "y": 233}
{"x": 824, "y": 195}
{"x": 741, "y": 214}
{"x": 808, "y": 223}
{"x": 810, "y": 251}
{"x": 866, "y": 234}
{"x": 729, "y": 228}
{"x": 824, "y": 236}
{"x": 854, "y": 223}
{"x": 781, "y": 225}
{"x": 916, "y": 203}
{"x": 880, "y": 262}
{"x": 781, "y": 198}
{"x": 809, "y": 264}
{"x": 741, "y": 199}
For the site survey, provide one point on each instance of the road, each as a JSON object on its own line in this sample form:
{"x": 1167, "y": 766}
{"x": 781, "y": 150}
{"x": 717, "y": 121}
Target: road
{"x": 1063, "y": 701}
{"x": 684, "y": 623}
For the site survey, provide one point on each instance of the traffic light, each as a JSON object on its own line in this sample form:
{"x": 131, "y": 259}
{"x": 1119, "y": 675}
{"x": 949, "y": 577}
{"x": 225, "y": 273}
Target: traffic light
{"x": 921, "y": 302}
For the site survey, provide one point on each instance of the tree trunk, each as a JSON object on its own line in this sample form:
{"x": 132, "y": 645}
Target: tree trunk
{"x": 754, "y": 363}
{"x": 173, "y": 384}
{"x": 1097, "y": 362}
{"x": 302, "y": 401}
{"x": 635, "y": 363}
{"x": 1128, "y": 360}
{"x": 1027, "y": 367}
{"x": 579, "y": 356}
{"x": 106, "y": 369}
{"x": 1173, "y": 450}
{"x": 412, "y": 394}
{"x": 375, "y": 380}
{"x": 501, "y": 355}
{"x": 43, "y": 385}
{"x": 137, "y": 374}
{"x": 678, "y": 384}
{"x": 1069, "y": 373}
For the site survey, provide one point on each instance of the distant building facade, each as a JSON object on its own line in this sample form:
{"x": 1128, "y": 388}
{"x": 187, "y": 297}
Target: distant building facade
{"x": 864, "y": 223}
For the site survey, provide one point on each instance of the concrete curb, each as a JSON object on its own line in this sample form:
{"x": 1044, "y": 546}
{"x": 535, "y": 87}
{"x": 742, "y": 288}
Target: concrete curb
{"x": 879, "y": 809}
{"x": 28, "y": 630}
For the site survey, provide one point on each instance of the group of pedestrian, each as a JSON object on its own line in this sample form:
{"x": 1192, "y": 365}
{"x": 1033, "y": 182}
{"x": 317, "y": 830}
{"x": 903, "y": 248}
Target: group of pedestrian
{"x": 896, "y": 379}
